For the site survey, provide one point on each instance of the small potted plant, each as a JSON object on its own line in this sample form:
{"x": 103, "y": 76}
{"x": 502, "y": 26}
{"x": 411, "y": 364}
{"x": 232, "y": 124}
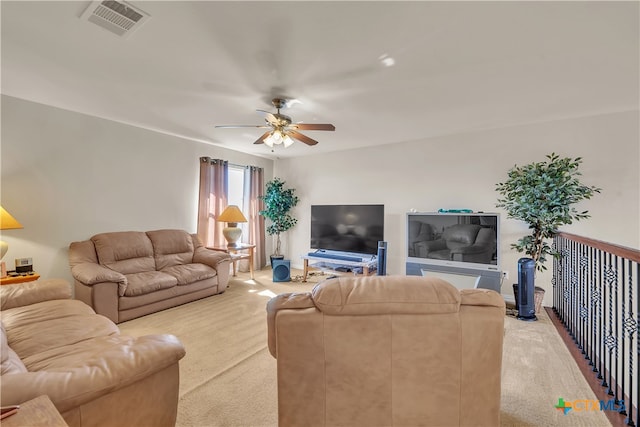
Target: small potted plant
{"x": 278, "y": 201}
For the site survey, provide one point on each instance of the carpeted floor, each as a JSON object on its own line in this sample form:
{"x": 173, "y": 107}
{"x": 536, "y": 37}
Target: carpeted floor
{"x": 228, "y": 377}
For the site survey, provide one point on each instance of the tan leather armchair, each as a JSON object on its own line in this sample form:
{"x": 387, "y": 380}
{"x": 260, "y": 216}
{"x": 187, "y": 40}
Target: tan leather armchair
{"x": 387, "y": 351}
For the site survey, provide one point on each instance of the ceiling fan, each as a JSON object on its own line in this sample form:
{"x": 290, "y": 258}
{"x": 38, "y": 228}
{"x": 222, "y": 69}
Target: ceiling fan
{"x": 281, "y": 129}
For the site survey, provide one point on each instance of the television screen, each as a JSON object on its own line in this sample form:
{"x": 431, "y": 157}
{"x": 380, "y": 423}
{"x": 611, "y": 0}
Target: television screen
{"x": 347, "y": 228}
{"x": 469, "y": 240}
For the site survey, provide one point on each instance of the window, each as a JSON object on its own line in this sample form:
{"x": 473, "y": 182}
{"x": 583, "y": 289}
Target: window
{"x": 235, "y": 194}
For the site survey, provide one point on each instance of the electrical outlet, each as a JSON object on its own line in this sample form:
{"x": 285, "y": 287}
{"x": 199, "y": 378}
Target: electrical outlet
{"x": 505, "y": 275}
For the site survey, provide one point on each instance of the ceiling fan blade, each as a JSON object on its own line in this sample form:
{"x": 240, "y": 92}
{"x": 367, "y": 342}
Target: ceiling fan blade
{"x": 302, "y": 138}
{"x": 262, "y": 137}
{"x": 313, "y": 126}
{"x": 270, "y": 117}
{"x": 242, "y": 126}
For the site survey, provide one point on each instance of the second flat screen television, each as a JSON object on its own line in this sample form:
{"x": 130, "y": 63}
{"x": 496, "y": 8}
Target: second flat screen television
{"x": 465, "y": 240}
{"x": 347, "y": 228}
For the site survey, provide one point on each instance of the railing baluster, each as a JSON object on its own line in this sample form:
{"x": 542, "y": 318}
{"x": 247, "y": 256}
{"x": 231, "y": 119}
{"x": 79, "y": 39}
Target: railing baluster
{"x": 632, "y": 330}
{"x": 605, "y": 318}
{"x": 622, "y": 358}
{"x": 584, "y": 300}
{"x": 593, "y": 310}
{"x": 601, "y": 318}
{"x": 597, "y": 309}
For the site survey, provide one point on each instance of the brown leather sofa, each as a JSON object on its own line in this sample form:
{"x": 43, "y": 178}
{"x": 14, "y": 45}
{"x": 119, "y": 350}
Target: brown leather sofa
{"x": 387, "y": 351}
{"x": 52, "y": 344}
{"x": 124, "y": 275}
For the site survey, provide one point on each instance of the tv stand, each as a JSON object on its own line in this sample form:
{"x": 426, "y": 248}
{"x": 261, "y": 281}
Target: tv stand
{"x": 339, "y": 263}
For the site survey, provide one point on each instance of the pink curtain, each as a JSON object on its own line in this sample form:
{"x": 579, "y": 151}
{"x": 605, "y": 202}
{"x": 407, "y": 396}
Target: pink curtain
{"x": 253, "y": 188}
{"x": 212, "y": 200}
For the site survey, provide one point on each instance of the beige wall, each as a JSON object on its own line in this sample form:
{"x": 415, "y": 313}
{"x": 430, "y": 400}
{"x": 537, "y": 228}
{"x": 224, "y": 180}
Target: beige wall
{"x": 460, "y": 171}
{"x": 68, "y": 176}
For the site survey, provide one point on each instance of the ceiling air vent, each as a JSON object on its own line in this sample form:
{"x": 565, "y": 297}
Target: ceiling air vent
{"x": 116, "y": 16}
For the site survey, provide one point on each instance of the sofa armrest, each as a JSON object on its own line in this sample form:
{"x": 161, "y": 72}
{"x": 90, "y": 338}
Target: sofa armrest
{"x": 284, "y": 302}
{"x": 90, "y": 274}
{"x": 482, "y": 297}
{"x": 217, "y": 260}
{"x": 111, "y": 367}
{"x": 19, "y": 295}
{"x": 212, "y": 258}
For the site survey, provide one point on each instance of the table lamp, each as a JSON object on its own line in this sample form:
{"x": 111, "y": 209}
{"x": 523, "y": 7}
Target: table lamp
{"x": 232, "y": 215}
{"x": 7, "y": 222}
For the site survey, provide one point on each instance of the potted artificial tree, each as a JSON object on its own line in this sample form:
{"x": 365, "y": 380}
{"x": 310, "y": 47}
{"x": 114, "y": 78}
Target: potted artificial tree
{"x": 278, "y": 201}
{"x": 543, "y": 195}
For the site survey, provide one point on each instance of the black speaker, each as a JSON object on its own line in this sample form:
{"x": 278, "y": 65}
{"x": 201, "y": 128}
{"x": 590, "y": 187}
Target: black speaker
{"x": 382, "y": 258}
{"x": 281, "y": 270}
{"x": 526, "y": 287}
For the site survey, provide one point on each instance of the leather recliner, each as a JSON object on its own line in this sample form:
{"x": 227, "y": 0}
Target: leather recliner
{"x": 387, "y": 351}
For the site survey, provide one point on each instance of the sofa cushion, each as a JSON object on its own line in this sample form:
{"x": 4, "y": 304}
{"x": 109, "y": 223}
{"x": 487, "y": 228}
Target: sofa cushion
{"x": 10, "y": 362}
{"x": 378, "y": 295}
{"x": 461, "y": 235}
{"x": 32, "y": 292}
{"x": 189, "y": 273}
{"x": 171, "y": 247}
{"x": 125, "y": 252}
{"x": 147, "y": 282}
{"x": 38, "y": 329}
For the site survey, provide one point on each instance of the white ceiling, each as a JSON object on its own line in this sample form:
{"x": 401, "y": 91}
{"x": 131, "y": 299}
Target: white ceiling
{"x": 459, "y": 66}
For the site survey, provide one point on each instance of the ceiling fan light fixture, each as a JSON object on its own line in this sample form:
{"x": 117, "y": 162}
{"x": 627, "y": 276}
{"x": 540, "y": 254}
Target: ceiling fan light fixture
{"x": 287, "y": 141}
{"x": 277, "y": 137}
{"x": 268, "y": 141}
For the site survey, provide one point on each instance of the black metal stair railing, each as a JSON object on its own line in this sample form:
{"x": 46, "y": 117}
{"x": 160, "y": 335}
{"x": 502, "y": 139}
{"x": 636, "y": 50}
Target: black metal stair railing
{"x": 595, "y": 296}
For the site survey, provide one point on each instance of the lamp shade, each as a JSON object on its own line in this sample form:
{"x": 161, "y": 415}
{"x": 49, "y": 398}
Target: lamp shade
{"x": 8, "y": 222}
{"x": 232, "y": 214}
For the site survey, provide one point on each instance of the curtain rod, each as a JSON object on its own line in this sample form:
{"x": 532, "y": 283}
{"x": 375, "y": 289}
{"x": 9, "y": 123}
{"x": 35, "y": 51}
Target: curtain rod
{"x": 207, "y": 159}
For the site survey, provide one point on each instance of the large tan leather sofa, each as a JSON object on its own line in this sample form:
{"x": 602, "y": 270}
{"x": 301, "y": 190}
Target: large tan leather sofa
{"x": 387, "y": 351}
{"x": 124, "y": 275}
{"x": 52, "y": 344}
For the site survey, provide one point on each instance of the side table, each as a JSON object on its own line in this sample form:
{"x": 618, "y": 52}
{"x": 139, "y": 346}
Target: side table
{"x": 38, "y": 412}
{"x": 20, "y": 278}
{"x": 240, "y": 251}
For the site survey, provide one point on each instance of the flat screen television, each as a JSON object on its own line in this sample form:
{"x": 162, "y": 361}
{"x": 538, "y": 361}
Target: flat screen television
{"x": 347, "y": 228}
{"x": 465, "y": 240}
